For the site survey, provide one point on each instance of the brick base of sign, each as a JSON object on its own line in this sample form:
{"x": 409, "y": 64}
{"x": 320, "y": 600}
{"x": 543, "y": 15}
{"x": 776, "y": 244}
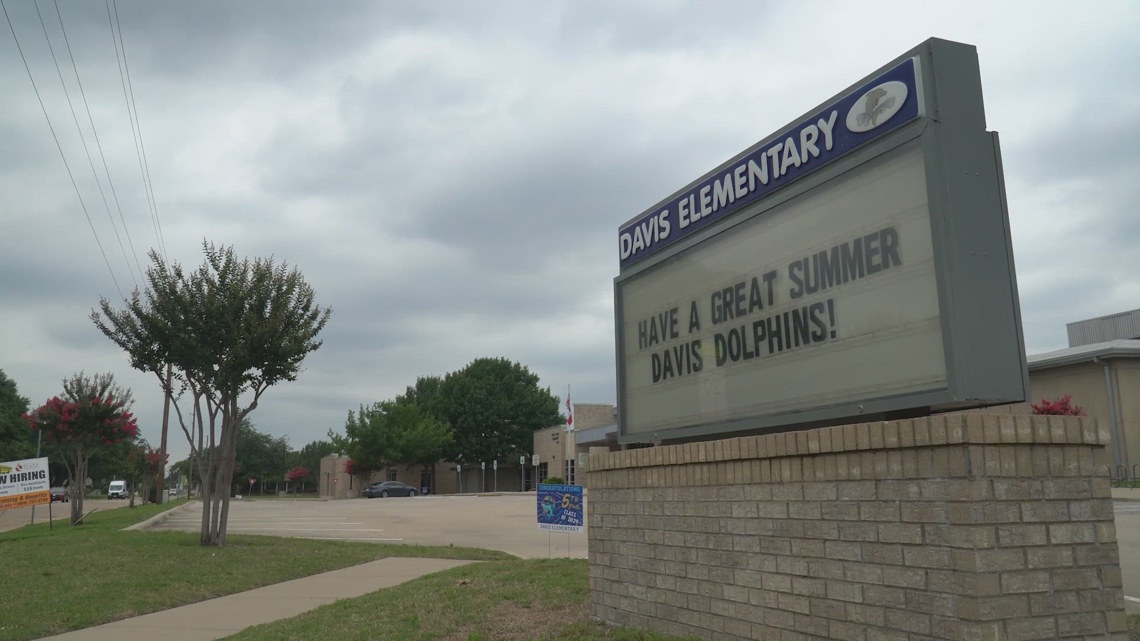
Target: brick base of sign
{"x": 962, "y": 526}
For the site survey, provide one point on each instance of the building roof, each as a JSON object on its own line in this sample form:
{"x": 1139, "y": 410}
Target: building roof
{"x": 1121, "y": 326}
{"x": 1084, "y": 354}
{"x": 599, "y": 434}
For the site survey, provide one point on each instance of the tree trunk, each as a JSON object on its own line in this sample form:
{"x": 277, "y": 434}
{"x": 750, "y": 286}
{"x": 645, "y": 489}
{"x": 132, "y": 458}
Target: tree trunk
{"x": 206, "y": 494}
{"x": 229, "y": 454}
{"x": 207, "y": 469}
{"x": 81, "y": 480}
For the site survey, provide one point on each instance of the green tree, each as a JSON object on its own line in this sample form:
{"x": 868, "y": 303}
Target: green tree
{"x": 426, "y": 395}
{"x": 260, "y": 456}
{"x": 309, "y": 456}
{"x": 394, "y": 432}
{"x": 493, "y": 407}
{"x": 17, "y": 442}
{"x": 186, "y": 469}
{"x": 113, "y": 462}
{"x": 141, "y": 469}
{"x": 94, "y": 413}
{"x": 230, "y": 329}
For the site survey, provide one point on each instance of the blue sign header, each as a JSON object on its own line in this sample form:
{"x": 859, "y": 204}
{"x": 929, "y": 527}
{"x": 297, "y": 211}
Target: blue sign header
{"x": 882, "y": 105}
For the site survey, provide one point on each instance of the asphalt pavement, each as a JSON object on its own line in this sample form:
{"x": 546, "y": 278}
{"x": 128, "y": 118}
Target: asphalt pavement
{"x": 506, "y": 522}
{"x": 58, "y": 513}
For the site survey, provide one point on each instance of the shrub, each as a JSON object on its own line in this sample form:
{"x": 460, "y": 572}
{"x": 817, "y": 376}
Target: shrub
{"x": 1060, "y": 407}
{"x": 555, "y": 480}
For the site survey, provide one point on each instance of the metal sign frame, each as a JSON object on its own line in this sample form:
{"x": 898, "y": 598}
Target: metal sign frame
{"x": 980, "y": 322}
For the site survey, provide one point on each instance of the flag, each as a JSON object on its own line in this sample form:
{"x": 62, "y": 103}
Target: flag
{"x": 569, "y": 409}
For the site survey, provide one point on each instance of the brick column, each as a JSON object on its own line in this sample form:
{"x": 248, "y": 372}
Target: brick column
{"x": 963, "y": 526}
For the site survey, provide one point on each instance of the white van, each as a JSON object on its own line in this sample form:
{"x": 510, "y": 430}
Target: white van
{"x": 117, "y": 490}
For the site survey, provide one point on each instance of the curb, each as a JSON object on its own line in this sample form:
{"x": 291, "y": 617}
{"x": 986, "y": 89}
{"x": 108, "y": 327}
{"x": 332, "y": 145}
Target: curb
{"x": 1125, "y": 494}
{"x": 156, "y": 519}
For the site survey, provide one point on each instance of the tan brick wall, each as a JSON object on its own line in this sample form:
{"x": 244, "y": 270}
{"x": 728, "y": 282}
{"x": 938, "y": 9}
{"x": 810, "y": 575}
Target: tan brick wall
{"x": 587, "y": 415}
{"x": 951, "y": 527}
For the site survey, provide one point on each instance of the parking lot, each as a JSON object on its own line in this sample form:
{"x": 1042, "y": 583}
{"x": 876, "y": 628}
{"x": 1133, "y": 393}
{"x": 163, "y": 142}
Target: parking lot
{"x": 506, "y": 522}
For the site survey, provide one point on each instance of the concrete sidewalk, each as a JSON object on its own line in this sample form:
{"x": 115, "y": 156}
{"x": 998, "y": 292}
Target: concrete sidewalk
{"x": 226, "y": 615}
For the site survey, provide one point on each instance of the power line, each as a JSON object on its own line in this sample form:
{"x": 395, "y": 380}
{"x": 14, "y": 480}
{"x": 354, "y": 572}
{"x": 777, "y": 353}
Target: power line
{"x": 83, "y": 141}
{"x": 59, "y": 148}
{"x": 98, "y": 143}
{"x": 132, "y": 112}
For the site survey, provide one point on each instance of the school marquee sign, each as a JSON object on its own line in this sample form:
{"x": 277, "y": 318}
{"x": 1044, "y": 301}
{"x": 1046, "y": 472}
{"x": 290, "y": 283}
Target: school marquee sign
{"x": 855, "y": 265}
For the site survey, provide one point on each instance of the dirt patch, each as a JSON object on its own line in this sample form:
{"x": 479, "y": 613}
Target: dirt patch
{"x": 514, "y": 622}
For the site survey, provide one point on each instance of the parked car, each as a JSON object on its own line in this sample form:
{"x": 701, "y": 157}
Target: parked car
{"x": 59, "y": 494}
{"x": 384, "y": 489}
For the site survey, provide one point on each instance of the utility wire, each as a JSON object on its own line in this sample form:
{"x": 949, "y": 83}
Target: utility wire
{"x": 86, "y": 149}
{"x": 132, "y": 111}
{"x": 59, "y": 148}
{"x": 98, "y": 143}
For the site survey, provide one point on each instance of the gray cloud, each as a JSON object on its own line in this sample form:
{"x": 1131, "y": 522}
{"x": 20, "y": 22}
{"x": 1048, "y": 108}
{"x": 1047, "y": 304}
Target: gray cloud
{"x": 450, "y": 177}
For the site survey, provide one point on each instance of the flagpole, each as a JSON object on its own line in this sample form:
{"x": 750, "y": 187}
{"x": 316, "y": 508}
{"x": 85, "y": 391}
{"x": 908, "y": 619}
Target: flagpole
{"x": 569, "y": 445}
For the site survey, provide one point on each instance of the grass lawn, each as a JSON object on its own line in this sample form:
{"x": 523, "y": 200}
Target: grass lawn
{"x": 70, "y": 578}
{"x": 513, "y": 600}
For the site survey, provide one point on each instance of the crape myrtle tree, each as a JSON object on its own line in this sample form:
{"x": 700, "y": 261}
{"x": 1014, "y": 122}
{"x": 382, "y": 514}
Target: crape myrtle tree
{"x": 297, "y": 475}
{"x": 93, "y": 413}
{"x": 309, "y": 457}
{"x": 229, "y": 330}
{"x": 144, "y": 464}
{"x": 1062, "y": 406}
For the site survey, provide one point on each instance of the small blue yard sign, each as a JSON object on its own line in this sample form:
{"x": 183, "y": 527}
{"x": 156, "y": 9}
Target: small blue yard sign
{"x": 560, "y": 508}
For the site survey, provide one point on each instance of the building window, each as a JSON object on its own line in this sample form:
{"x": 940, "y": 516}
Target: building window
{"x": 542, "y": 472}
{"x": 570, "y": 471}
{"x": 391, "y": 474}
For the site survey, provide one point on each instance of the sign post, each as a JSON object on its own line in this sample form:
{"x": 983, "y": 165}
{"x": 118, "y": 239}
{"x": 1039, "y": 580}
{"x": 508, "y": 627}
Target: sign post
{"x": 483, "y": 483}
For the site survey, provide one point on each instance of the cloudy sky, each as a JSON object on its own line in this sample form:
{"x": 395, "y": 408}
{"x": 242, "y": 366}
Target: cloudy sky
{"x": 450, "y": 176}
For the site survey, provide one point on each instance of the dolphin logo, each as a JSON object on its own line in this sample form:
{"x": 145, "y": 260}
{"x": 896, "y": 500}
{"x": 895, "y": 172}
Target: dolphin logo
{"x": 877, "y": 106}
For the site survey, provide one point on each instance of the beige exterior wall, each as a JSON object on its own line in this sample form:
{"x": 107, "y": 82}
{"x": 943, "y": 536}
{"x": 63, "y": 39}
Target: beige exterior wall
{"x": 555, "y": 445}
{"x": 335, "y": 483}
{"x": 950, "y": 527}
{"x": 1085, "y": 383}
{"x": 587, "y": 415}
{"x": 1128, "y": 401}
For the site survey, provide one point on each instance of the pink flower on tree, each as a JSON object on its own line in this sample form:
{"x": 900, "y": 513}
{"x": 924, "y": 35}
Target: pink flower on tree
{"x": 1060, "y": 407}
